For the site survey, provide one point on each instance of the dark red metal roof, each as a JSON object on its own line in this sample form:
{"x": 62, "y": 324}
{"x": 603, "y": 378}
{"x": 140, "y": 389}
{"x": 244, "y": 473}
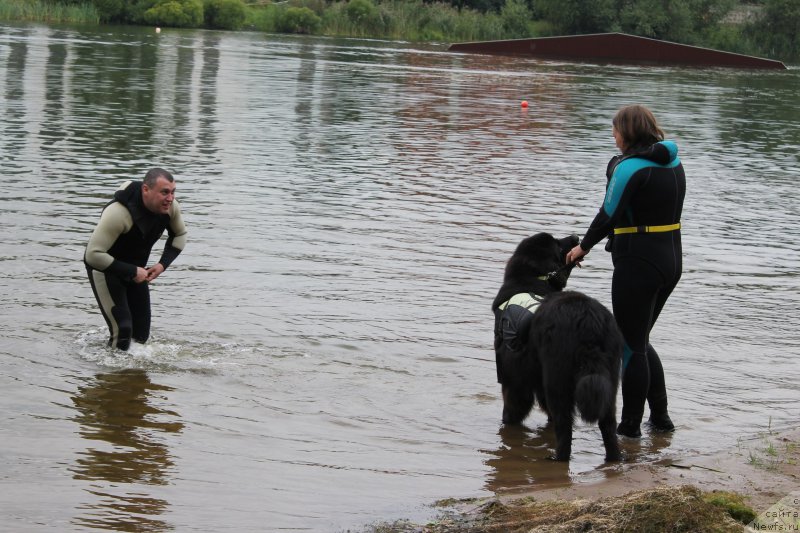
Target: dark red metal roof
{"x": 617, "y": 48}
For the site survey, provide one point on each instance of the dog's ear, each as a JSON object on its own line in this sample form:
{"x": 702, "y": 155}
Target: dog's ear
{"x": 568, "y": 243}
{"x": 537, "y": 247}
{"x": 537, "y": 239}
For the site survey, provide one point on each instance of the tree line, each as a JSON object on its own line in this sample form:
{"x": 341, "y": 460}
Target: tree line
{"x": 769, "y": 28}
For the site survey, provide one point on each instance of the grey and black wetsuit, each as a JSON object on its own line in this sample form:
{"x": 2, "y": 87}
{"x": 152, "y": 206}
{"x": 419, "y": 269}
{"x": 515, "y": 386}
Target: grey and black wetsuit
{"x": 642, "y": 213}
{"x": 120, "y": 243}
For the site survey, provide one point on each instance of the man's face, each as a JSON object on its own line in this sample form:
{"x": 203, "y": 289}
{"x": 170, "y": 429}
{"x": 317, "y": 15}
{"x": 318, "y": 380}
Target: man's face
{"x": 158, "y": 198}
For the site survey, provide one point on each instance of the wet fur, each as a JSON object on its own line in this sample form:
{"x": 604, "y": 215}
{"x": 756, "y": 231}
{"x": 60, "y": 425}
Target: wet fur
{"x": 572, "y": 352}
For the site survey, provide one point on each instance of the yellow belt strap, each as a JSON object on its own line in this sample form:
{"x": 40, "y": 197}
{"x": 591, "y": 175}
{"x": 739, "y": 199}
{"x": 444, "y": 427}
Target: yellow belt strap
{"x": 648, "y": 229}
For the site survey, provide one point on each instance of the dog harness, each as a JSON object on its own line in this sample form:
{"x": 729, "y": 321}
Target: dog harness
{"x": 526, "y": 300}
{"x": 512, "y": 320}
{"x": 514, "y": 317}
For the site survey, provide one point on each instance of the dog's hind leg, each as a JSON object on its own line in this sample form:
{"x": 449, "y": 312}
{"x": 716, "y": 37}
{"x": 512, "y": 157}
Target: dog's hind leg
{"x": 563, "y": 427}
{"x": 540, "y": 395}
{"x": 560, "y": 402}
{"x": 608, "y": 425}
{"x": 517, "y": 403}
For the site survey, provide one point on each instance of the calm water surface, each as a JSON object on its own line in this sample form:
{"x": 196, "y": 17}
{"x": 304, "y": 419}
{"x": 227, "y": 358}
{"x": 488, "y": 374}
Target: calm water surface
{"x": 321, "y": 353}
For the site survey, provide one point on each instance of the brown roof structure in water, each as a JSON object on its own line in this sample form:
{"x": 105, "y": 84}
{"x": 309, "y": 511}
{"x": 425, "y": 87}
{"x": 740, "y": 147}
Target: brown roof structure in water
{"x": 617, "y": 48}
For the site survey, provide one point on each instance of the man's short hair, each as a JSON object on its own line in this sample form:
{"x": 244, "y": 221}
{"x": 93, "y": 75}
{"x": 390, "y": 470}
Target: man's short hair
{"x": 153, "y": 174}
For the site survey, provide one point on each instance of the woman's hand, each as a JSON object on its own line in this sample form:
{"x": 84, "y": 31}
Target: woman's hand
{"x": 576, "y": 255}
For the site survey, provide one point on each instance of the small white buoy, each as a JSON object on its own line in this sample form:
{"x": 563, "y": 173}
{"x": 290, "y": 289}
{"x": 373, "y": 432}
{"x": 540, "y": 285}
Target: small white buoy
{"x": 158, "y": 30}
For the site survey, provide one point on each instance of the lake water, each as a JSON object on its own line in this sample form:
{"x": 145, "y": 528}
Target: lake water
{"x": 321, "y": 356}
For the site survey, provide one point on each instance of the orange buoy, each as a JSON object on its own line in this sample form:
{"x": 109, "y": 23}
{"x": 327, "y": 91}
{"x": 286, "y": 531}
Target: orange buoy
{"x": 524, "y": 103}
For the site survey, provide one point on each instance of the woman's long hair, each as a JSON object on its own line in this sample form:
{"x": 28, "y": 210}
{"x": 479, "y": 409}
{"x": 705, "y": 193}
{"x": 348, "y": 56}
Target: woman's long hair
{"x": 638, "y": 127}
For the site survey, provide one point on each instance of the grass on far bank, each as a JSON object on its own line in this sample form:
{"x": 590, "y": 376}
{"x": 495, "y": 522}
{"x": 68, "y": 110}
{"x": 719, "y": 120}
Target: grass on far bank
{"x": 410, "y": 20}
{"x": 38, "y": 11}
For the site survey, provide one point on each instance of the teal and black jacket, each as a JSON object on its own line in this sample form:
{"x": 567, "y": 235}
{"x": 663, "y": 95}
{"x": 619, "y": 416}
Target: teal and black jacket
{"x": 645, "y": 193}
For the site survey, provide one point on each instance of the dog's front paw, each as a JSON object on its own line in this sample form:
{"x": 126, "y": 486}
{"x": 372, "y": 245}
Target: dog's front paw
{"x": 614, "y": 457}
{"x": 559, "y": 457}
{"x": 512, "y": 418}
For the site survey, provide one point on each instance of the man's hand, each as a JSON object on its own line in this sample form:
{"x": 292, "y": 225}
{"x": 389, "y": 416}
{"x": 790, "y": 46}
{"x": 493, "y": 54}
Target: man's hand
{"x": 141, "y": 275}
{"x": 154, "y": 271}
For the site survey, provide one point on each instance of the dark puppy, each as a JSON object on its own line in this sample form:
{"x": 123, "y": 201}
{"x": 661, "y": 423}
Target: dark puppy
{"x": 561, "y": 349}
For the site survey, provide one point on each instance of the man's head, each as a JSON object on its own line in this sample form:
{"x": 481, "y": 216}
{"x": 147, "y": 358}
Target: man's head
{"x": 158, "y": 190}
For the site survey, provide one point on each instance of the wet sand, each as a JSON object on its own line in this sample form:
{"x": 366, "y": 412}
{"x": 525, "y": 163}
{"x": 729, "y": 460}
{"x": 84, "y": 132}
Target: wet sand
{"x": 763, "y": 469}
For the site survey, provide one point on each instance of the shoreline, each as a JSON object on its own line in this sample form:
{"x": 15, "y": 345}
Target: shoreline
{"x": 758, "y": 472}
{"x": 763, "y": 469}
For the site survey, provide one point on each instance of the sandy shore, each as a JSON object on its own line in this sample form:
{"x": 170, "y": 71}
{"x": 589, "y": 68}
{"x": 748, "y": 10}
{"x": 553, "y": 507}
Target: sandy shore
{"x": 763, "y": 470}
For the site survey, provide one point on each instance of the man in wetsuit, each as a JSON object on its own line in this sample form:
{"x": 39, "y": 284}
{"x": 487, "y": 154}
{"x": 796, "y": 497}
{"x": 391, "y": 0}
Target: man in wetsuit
{"x": 119, "y": 248}
{"x": 641, "y": 213}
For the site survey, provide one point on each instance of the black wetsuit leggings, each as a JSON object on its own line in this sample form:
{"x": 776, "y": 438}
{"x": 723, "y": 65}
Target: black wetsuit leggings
{"x": 638, "y": 293}
{"x": 125, "y": 306}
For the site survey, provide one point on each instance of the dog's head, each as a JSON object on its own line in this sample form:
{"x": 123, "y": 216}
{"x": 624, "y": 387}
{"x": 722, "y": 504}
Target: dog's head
{"x": 544, "y": 257}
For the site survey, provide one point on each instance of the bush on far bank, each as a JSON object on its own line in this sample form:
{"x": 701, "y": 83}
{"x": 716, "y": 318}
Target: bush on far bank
{"x": 224, "y": 14}
{"x": 175, "y": 13}
{"x": 298, "y": 20}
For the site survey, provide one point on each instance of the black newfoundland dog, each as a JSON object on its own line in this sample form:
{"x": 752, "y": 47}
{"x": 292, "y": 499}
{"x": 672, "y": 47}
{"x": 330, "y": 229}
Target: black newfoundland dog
{"x": 561, "y": 349}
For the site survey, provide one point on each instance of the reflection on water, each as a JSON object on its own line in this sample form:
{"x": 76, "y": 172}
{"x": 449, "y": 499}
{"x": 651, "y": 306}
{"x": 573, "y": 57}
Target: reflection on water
{"x": 523, "y": 461}
{"x": 119, "y": 416}
{"x": 646, "y": 449}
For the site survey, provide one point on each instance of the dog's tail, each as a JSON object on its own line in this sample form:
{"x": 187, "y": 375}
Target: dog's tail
{"x": 594, "y": 396}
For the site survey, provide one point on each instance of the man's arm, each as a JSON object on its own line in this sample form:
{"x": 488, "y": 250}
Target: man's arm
{"x": 176, "y": 239}
{"x": 114, "y": 221}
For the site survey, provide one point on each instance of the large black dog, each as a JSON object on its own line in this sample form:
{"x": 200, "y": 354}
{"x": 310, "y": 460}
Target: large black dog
{"x": 559, "y": 348}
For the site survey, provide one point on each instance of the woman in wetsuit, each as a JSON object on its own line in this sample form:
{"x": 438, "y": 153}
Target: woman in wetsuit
{"x": 641, "y": 216}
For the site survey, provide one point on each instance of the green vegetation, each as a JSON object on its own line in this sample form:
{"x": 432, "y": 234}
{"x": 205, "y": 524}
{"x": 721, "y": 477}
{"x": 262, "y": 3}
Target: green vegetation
{"x": 773, "y": 452}
{"x": 224, "y": 14}
{"x": 733, "y": 504}
{"x": 176, "y": 13}
{"x": 36, "y": 10}
{"x": 768, "y": 28}
{"x": 298, "y": 20}
{"x": 676, "y": 509}
{"x": 777, "y": 32}
{"x": 412, "y": 20}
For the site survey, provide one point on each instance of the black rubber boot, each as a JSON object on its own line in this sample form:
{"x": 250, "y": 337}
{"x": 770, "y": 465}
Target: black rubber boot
{"x": 657, "y": 395}
{"x": 629, "y": 428}
{"x": 661, "y": 423}
{"x": 659, "y": 417}
{"x": 635, "y": 384}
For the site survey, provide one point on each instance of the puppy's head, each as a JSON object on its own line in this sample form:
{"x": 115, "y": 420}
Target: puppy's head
{"x": 542, "y": 255}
